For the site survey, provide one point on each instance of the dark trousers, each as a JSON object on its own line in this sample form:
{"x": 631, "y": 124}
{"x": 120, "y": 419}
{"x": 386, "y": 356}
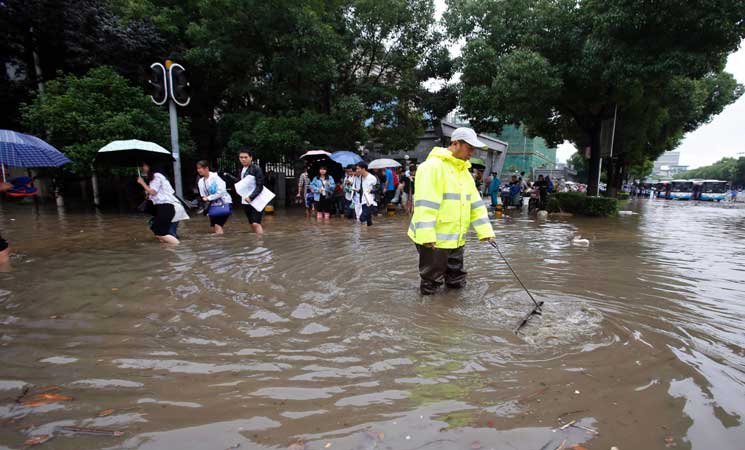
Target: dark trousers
{"x": 325, "y": 205}
{"x": 389, "y": 196}
{"x": 367, "y": 213}
{"x": 348, "y": 209}
{"x": 339, "y": 204}
{"x": 441, "y": 264}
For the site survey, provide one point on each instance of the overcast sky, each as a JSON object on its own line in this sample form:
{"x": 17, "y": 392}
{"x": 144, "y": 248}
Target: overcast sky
{"x": 724, "y": 136}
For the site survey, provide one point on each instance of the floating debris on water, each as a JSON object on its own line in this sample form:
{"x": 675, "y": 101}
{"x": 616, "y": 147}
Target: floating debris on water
{"x": 90, "y": 431}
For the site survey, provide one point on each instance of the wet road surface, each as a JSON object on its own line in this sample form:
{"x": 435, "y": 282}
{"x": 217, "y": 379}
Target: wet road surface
{"x": 316, "y": 334}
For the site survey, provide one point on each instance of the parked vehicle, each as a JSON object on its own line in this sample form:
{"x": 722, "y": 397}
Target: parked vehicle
{"x": 681, "y": 190}
{"x": 714, "y": 190}
{"x": 662, "y": 189}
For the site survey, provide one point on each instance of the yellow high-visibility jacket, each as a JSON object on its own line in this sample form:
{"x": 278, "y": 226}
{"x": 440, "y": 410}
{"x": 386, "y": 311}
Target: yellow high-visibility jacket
{"x": 446, "y": 202}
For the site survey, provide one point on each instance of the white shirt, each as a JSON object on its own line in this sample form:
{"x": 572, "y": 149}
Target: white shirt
{"x": 355, "y": 185}
{"x": 164, "y": 193}
{"x": 214, "y": 188}
{"x": 368, "y": 184}
{"x": 163, "y": 190}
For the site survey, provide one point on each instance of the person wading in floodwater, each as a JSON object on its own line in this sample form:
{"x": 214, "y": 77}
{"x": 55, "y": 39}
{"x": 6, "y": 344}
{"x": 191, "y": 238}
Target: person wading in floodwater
{"x": 254, "y": 217}
{"x": 4, "y": 248}
{"x": 166, "y": 208}
{"x": 214, "y": 192}
{"x": 446, "y": 205}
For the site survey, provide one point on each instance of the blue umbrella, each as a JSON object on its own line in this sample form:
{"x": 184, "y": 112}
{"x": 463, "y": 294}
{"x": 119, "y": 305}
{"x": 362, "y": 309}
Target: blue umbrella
{"x": 22, "y": 150}
{"x": 346, "y": 158}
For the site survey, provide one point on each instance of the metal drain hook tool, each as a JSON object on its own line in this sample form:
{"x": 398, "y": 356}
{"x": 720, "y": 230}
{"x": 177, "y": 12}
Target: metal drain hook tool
{"x": 537, "y": 306}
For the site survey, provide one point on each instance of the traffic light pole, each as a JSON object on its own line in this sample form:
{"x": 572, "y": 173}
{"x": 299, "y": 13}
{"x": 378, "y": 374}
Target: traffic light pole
{"x": 175, "y": 149}
{"x": 164, "y": 89}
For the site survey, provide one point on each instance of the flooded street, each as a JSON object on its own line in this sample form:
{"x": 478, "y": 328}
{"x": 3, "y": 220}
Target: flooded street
{"x": 317, "y": 334}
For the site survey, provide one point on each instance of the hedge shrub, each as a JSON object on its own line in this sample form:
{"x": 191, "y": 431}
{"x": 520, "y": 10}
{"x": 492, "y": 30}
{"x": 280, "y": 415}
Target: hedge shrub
{"x": 624, "y": 196}
{"x": 601, "y": 207}
{"x": 580, "y": 204}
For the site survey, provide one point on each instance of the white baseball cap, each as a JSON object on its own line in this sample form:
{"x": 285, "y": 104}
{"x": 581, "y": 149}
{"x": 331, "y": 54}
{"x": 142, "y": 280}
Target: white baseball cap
{"x": 467, "y": 135}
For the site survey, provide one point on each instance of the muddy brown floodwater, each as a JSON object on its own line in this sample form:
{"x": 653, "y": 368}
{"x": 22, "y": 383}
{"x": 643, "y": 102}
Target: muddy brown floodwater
{"x": 316, "y": 334}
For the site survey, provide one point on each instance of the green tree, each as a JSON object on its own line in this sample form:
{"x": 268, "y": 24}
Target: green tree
{"x": 330, "y": 73}
{"x": 41, "y": 38}
{"x": 79, "y": 115}
{"x": 726, "y": 169}
{"x": 562, "y": 66}
{"x": 649, "y": 125}
{"x": 579, "y": 163}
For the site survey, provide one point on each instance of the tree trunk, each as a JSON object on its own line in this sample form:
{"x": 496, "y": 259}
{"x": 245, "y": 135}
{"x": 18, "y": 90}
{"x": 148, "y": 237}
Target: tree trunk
{"x": 37, "y": 64}
{"x": 620, "y": 175}
{"x": 615, "y": 170}
{"x": 94, "y": 184}
{"x": 594, "y": 163}
{"x": 610, "y": 168}
{"x": 84, "y": 190}
{"x": 121, "y": 197}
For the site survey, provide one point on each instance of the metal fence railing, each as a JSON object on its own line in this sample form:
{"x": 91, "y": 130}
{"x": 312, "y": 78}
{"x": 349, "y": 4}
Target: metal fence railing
{"x": 282, "y": 166}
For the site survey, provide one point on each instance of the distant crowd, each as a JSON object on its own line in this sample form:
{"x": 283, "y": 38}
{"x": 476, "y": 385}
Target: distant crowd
{"x": 361, "y": 193}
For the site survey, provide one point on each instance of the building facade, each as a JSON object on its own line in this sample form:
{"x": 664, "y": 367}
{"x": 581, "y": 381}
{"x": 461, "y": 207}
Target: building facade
{"x": 493, "y": 156}
{"x": 668, "y": 166}
{"x": 526, "y": 154}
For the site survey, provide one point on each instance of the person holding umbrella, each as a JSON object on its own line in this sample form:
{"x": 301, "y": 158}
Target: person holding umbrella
{"x": 167, "y": 209}
{"x": 214, "y": 193}
{"x": 4, "y": 247}
{"x": 446, "y": 205}
{"x": 23, "y": 150}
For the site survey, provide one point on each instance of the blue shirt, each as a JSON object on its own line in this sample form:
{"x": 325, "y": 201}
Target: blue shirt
{"x": 389, "y": 180}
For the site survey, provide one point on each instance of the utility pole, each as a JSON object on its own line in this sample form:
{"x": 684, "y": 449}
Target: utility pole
{"x": 169, "y": 84}
{"x": 173, "y": 116}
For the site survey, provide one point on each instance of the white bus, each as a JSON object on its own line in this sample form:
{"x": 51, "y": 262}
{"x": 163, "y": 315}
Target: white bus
{"x": 714, "y": 191}
{"x": 681, "y": 190}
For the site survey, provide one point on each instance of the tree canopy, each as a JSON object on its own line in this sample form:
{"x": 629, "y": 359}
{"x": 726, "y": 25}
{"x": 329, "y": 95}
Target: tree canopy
{"x": 564, "y": 68}
{"x": 276, "y": 76}
{"x": 81, "y": 114}
{"x": 284, "y": 75}
{"x": 726, "y": 169}
{"x": 60, "y": 36}
{"x": 328, "y": 73}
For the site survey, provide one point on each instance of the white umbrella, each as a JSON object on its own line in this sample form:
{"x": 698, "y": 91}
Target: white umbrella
{"x": 131, "y": 152}
{"x": 315, "y": 154}
{"x": 383, "y": 163}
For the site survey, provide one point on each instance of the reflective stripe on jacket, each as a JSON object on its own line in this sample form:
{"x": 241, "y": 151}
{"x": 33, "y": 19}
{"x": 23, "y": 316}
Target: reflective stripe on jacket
{"x": 447, "y": 203}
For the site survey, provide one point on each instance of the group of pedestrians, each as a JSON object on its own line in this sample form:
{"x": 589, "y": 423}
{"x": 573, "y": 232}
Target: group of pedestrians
{"x": 358, "y": 195}
{"x": 446, "y": 206}
{"x": 512, "y": 192}
{"x": 167, "y": 210}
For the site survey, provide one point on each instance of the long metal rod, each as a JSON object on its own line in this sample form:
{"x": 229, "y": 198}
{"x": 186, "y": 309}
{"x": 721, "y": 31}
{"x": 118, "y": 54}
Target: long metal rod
{"x": 536, "y": 311}
{"x": 496, "y": 246}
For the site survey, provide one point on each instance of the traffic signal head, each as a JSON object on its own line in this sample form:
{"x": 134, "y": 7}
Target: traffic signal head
{"x": 157, "y": 81}
{"x": 180, "y": 89}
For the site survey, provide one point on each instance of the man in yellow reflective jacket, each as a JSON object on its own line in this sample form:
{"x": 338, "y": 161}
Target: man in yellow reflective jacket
{"x": 446, "y": 205}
